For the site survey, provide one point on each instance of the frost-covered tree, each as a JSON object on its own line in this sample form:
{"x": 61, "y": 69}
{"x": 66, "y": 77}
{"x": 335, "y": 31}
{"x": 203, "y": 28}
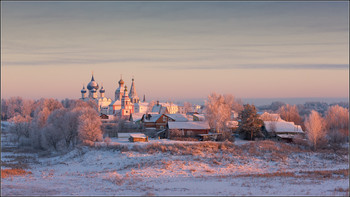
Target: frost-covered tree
{"x": 250, "y": 125}
{"x": 70, "y": 132}
{"x": 89, "y": 128}
{"x": 218, "y": 109}
{"x": 290, "y": 113}
{"x": 4, "y": 109}
{"x": 43, "y": 109}
{"x": 188, "y": 107}
{"x": 55, "y": 127}
{"x": 150, "y": 106}
{"x": 52, "y": 136}
{"x": 337, "y": 124}
{"x": 315, "y": 129}
{"x": 20, "y": 127}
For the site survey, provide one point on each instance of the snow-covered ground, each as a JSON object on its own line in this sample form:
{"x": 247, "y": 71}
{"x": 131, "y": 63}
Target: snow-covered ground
{"x": 165, "y": 167}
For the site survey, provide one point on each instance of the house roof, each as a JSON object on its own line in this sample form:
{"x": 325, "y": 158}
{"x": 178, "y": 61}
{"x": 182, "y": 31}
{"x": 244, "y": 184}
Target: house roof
{"x": 270, "y": 117}
{"x": 282, "y": 127}
{"x": 116, "y": 102}
{"x": 177, "y": 117}
{"x": 154, "y": 118}
{"x": 198, "y": 125}
{"x": 157, "y": 108}
{"x": 232, "y": 123}
{"x": 201, "y": 117}
{"x": 136, "y": 116}
{"x": 138, "y": 135}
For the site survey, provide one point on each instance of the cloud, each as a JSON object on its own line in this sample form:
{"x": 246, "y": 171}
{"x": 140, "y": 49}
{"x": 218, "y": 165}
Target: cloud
{"x": 261, "y": 66}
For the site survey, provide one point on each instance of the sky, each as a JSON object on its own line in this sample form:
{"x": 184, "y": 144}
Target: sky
{"x": 176, "y": 50}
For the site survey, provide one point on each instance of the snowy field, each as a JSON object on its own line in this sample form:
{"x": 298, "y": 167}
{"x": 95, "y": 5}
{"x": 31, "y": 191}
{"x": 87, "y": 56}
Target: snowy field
{"x": 164, "y": 167}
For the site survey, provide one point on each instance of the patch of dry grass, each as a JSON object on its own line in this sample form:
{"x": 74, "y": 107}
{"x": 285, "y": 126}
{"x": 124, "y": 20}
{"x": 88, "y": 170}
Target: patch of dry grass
{"x": 13, "y": 172}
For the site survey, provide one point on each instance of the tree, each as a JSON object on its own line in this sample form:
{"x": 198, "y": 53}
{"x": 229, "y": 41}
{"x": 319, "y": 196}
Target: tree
{"x": 20, "y": 127}
{"x": 188, "y": 107}
{"x": 290, "y": 113}
{"x": 337, "y": 124}
{"x": 217, "y": 112}
{"x": 55, "y": 127}
{"x": 52, "y": 136}
{"x": 315, "y": 126}
{"x": 4, "y": 109}
{"x": 89, "y": 128}
{"x": 275, "y": 106}
{"x": 70, "y": 132}
{"x": 250, "y": 125}
{"x": 150, "y": 106}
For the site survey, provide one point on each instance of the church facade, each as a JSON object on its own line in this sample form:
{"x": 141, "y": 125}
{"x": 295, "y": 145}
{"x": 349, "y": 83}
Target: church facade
{"x": 124, "y": 103}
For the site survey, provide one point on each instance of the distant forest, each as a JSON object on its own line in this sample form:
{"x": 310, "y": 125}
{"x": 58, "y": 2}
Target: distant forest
{"x": 304, "y": 109}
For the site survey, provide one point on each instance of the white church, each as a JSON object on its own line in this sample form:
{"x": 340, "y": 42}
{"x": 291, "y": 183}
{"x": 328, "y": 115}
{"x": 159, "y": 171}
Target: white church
{"x": 124, "y": 103}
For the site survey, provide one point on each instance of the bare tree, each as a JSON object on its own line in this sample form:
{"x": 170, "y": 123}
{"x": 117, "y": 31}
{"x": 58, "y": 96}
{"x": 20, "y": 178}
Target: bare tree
{"x": 52, "y": 136}
{"x": 337, "y": 119}
{"x": 150, "y": 106}
{"x": 290, "y": 113}
{"x": 315, "y": 128}
{"x": 20, "y": 127}
{"x": 188, "y": 107}
{"x": 89, "y": 128}
{"x": 218, "y": 110}
{"x": 4, "y": 109}
{"x": 70, "y": 132}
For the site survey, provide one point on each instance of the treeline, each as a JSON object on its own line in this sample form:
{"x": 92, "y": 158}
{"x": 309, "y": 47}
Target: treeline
{"x": 49, "y": 124}
{"x": 304, "y": 109}
{"x": 330, "y": 127}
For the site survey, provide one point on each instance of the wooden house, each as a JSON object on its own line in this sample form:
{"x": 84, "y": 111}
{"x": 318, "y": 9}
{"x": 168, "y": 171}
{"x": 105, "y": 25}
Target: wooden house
{"x": 189, "y": 129}
{"x": 138, "y": 137}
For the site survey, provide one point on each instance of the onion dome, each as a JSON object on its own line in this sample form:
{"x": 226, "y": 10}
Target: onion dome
{"x": 83, "y": 90}
{"x": 102, "y": 90}
{"x": 93, "y": 90}
{"x": 121, "y": 82}
{"x": 92, "y": 84}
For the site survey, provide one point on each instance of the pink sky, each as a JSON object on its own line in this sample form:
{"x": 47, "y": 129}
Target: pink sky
{"x": 176, "y": 50}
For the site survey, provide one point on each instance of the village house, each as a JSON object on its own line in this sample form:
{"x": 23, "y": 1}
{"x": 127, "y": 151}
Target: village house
{"x": 265, "y": 116}
{"x": 283, "y": 130}
{"x": 159, "y": 121}
{"x": 198, "y": 117}
{"x": 165, "y": 108}
{"x": 188, "y": 129}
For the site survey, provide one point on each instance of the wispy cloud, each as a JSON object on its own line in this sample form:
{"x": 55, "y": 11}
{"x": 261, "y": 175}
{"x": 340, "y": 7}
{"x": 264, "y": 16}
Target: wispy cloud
{"x": 260, "y": 66}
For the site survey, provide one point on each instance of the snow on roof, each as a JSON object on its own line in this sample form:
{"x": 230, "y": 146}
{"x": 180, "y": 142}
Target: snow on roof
{"x": 189, "y": 125}
{"x": 137, "y": 135}
{"x": 232, "y": 123}
{"x": 270, "y": 117}
{"x": 136, "y": 116}
{"x": 201, "y": 117}
{"x": 156, "y": 108}
{"x": 286, "y": 136}
{"x": 154, "y": 118}
{"x": 116, "y": 102}
{"x": 177, "y": 117}
{"x": 282, "y": 126}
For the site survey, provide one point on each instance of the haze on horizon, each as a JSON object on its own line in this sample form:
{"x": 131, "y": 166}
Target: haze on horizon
{"x": 176, "y": 50}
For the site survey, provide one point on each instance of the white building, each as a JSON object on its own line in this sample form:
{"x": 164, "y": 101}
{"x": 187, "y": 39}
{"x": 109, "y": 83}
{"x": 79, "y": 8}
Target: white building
{"x": 102, "y": 101}
{"x": 165, "y": 108}
{"x": 123, "y": 103}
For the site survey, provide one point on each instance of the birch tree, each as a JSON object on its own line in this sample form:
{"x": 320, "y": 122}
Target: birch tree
{"x": 337, "y": 120}
{"x": 315, "y": 129}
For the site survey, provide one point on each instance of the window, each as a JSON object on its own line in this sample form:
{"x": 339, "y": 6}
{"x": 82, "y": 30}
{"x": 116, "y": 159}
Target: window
{"x": 164, "y": 118}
